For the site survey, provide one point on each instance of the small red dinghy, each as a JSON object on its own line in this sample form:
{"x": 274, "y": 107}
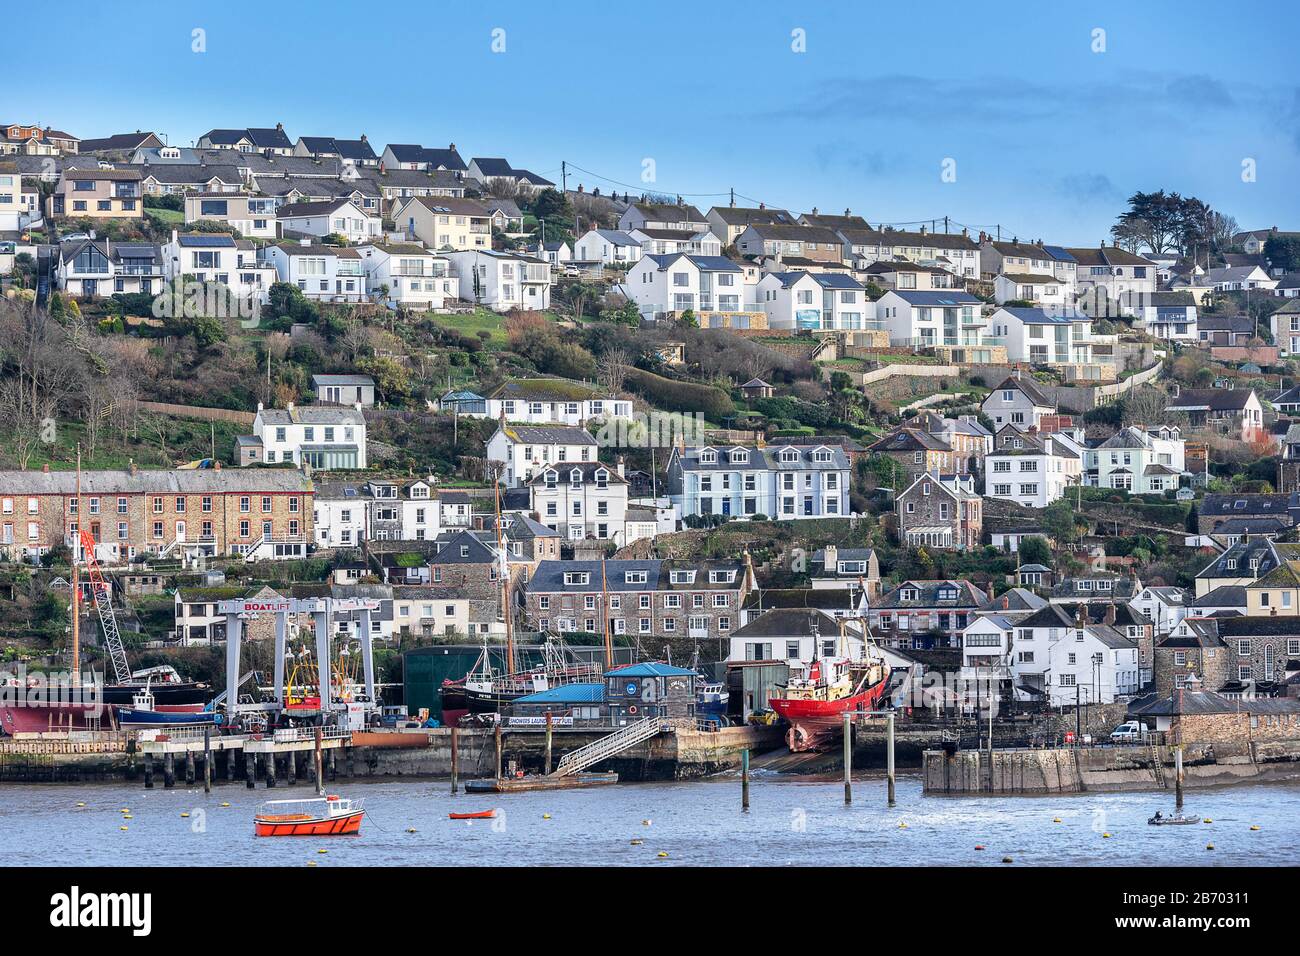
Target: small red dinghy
{"x": 481, "y": 815}
{"x": 326, "y": 816}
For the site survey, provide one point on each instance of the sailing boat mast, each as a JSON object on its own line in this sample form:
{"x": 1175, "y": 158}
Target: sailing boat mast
{"x": 604, "y": 608}
{"x": 504, "y": 571}
{"x": 76, "y": 585}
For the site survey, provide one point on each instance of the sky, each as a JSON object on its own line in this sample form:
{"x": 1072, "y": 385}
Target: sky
{"x": 1038, "y": 120}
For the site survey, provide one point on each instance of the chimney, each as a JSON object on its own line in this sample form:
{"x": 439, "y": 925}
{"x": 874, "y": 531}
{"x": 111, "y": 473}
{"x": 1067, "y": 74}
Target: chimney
{"x": 814, "y": 212}
{"x": 451, "y": 146}
{"x": 280, "y": 127}
{"x": 832, "y": 558}
{"x": 1079, "y": 618}
{"x": 289, "y": 407}
{"x": 621, "y": 466}
{"x": 1110, "y": 614}
{"x": 762, "y": 205}
{"x": 46, "y": 468}
{"x": 259, "y": 406}
{"x": 216, "y": 465}
{"x": 923, "y": 230}
{"x": 130, "y": 466}
{"x": 846, "y": 212}
{"x": 363, "y": 138}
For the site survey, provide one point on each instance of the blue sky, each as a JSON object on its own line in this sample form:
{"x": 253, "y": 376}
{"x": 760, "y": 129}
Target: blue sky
{"x": 1048, "y": 137}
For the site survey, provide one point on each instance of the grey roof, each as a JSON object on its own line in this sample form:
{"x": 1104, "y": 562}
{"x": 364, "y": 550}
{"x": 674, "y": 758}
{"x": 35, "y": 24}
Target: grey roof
{"x": 180, "y": 174}
{"x": 947, "y": 297}
{"x": 1016, "y": 599}
{"x": 312, "y": 415}
{"x": 703, "y": 263}
{"x": 761, "y": 459}
{"x": 342, "y": 380}
{"x": 1121, "y": 588}
{"x": 1029, "y": 387}
{"x": 1205, "y": 702}
{"x": 1240, "y": 505}
{"x": 174, "y": 481}
{"x": 790, "y": 622}
{"x": 477, "y": 551}
{"x": 547, "y": 434}
{"x": 967, "y": 595}
{"x": 743, "y": 216}
{"x": 549, "y": 575}
{"x": 587, "y": 469}
{"x": 822, "y": 599}
{"x": 447, "y": 158}
{"x": 1217, "y": 399}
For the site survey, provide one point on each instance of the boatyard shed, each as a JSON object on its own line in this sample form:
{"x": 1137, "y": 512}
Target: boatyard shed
{"x": 649, "y": 690}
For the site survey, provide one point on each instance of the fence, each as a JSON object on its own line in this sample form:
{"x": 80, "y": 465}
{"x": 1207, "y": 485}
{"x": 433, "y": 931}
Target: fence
{"x": 198, "y": 411}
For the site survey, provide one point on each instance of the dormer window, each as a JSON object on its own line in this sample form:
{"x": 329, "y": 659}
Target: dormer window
{"x": 602, "y": 479}
{"x": 722, "y": 577}
{"x": 577, "y": 577}
{"x": 575, "y": 476}
{"x": 789, "y": 455}
{"x": 822, "y": 455}
{"x": 739, "y": 457}
{"x": 909, "y": 594}
{"x": 634, "y": 577}
{"x": 708, "y": 457}
{"x": 551, "y": 479}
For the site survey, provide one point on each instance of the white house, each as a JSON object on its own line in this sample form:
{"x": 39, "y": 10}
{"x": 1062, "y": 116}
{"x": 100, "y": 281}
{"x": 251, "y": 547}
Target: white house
{"x": 1043, "y": 290}
{"x": 954, "y": 251}
{"x": 1069, "y": 660}
{"x": 1165, "y": 315}
{"x": 415, "y": 277}
{"x": 1144, "y": 461}
{"x": 927, "y": 319}
{"x": 323, "y": 436}
{"x": 344, "y": 389}
{"x": 213, "y": 257}
{"x": 524, "y": 450}
{"x": 324, "y": 273}
{"x": 1017, "y": 401}
{"x": 1165, "y": 607}
{"x": 666, "y": 242}
{"x": 502, "y": 280}
{"x": 1030, "y": 468}
{"x": 421, "y": 511}
{"x": 676, "y": 283}
{"x": 340, "y": 512}
{"x": 1284, "y": 323}
{"x": 100, "y": 267}
{"x": 550, "y": 401}
{"x": 581, "y": 500}
{"x": 331, "y": 218}
{"x": 445, "y": 223}
{"x": 1109, "y": 272}
{"x": 1240, "y": 278}
{"x": 814, "y": 300}
{"x": 648, "y": 215}
{"x": 610, "y": 246}
{"x": 1043, "y": 338}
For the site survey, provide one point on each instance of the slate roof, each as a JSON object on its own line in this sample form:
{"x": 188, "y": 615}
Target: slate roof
{"x": 549, "y": 575}
{"x": 1039, "y": 317}
{"x": 819, "y": 599}
{"x": 909, "y": 439}
{"x": 743, "y": 216}
{"x": 547, "y": 434}
{"x": 949, "y": 297}
{"x": 790, "y": 622}
{"x": 703, "y": 263}
{"x": 174, "y": 481}
{"x": 1214, "y": 505}
{"x": 669, "y": 212}
{"x": 968, "y": 596}
{"x": 312, "y": 415}
{"x": 446, "y": 158}
{"x": 1216, "y": 399}
{"x": 1030, "y": 389}
{"x": 1225, "y": 595}
{"x": 183, "y": 173}
{"x": 118, "y": 141}
{"x": 892, "y": 237}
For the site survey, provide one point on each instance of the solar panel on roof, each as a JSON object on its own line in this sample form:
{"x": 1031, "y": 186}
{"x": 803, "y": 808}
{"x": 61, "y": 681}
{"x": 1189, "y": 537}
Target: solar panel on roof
{"x": 223, "y": 241}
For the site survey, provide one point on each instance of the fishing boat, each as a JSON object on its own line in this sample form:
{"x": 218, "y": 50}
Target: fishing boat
{"x": 480, "y": 815}
{"x": 144, "y": 712}
{"x": 711, "y": 697}
{"x": 488, "y": 691}
{"x": 454, "y": 705}
{"x": 323, "y": 816}
{"x": 167, "y": 686}
{"x": 815, "y": 704}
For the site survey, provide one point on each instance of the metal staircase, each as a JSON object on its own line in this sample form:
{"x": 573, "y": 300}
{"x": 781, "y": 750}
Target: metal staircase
{"x": 615, "y": 743}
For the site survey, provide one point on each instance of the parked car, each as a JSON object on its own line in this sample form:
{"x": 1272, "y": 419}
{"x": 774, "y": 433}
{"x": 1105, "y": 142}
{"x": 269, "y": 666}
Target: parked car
{"x": 1129, "y": 732}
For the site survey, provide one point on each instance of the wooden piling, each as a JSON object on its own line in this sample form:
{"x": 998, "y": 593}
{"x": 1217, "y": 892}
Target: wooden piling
{"x": 148, "y": 771}
{"x": 498, "y": 743}
{"x": 190, "y": 773}
{"x": 207, "y": 760}
{"x": 291, "y": 768}
{"x": 744, "y": 779}
{"x": 455, "y": 759}
{"x": 1178, "y": 778}
{"x": 889, "y": 760}
{"x": 848, "y": 759}
{"x": 333, "y": 764}
{"x": 169, "y": 770}
{"x": 548, "y": 743}
{"x": 270, "y": 770}
{"x": 250, "y": 769}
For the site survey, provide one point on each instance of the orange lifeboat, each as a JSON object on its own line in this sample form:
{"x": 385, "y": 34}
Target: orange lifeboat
{"x": 324, "y": 816}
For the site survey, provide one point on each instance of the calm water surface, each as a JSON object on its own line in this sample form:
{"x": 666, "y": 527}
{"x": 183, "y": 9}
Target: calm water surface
{"x": 791, "y": 821}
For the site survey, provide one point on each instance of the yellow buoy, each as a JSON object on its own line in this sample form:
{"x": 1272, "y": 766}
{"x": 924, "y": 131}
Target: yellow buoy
{"x": 225, "y": 804}
{"x": 126, "y": 809}
{"x": 1254, "y": 828}
{"x": 902, "y": 825}
{"x": 311, "y": 862}
{"x": 637, "y": 842}
{"x": 662, "y": 854}
{"x": 81, "y": 804}
{"x": 546, "y": 816}
{"x": 1209, "y": 846}
{"x": 322, "y": 851}
{"x": 1207, "y": 820}
{"x": 1105, "y": 836}
{"x": 1006, "y": 859}
{"x": 184, "y": 816}
{"x": 121, "y": 828}
{"x": 410, "y": 829}
{"x": 1056, "y": 819}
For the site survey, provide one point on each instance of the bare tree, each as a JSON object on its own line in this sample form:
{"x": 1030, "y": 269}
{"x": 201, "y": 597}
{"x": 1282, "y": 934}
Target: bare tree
{"x": 612, "y": 368}
{"x": 1145, "y": 405}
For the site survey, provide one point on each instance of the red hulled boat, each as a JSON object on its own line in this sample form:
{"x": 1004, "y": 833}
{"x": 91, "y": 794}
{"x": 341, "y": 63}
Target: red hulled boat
{"x": 325, "y": 816}
{"x": 815, "y": 705}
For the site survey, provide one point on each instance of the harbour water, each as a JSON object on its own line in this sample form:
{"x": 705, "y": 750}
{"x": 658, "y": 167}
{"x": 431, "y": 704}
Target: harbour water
{"x": 790, "y": 821}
